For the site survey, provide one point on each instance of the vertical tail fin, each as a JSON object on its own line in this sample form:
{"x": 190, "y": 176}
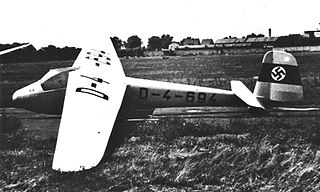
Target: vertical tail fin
{"x": 279, "y": 79}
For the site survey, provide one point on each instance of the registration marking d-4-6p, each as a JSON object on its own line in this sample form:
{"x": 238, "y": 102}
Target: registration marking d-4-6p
{"x": 168, "y": 95}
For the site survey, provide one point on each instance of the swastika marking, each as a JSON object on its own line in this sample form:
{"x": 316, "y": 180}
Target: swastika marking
{"x": 278, "y": 73}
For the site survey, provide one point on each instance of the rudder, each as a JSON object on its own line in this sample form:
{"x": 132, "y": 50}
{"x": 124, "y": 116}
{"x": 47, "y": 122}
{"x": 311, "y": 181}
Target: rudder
{"x": 279, "y": 79}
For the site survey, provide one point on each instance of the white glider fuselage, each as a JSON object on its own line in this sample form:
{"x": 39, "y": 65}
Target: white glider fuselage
{"x": 140, "y": 94}
{"x": 156, "y": 94}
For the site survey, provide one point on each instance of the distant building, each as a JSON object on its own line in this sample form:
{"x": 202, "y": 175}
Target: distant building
{"x": 312, "y": 34}
{"x": 252, "y": 43}
{"x": 173, "y": 46}
{"x": 246, "y": 42}
{"x": 190, "y": 41}
{"x": 207, "y": 42}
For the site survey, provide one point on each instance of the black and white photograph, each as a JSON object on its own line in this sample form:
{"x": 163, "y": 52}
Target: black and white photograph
{"x": 178, "y": 95}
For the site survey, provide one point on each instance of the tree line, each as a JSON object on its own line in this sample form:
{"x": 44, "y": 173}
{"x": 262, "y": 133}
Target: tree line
{"x": 133, "y": 45}
{"x": 130, "y": 48}
{"x": 30, "y": 54}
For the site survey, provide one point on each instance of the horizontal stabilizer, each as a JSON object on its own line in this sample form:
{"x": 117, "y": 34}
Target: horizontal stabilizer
{"x": 241, "y": 91}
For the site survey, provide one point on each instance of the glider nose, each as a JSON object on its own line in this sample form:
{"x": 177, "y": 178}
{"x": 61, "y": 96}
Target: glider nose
{"x": 26, "y": 92}
{"x": 20, "y": 96}
{"x": 16, "y": 95}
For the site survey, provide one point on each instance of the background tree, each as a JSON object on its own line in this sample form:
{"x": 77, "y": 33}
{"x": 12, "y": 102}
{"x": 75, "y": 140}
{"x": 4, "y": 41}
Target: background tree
{"x": 190, "y": 41}
{"x": 30, "y": 54}
{"x": 117, "y": 43}
{"x": 255, "y": 35}
{"x": 230, "y": 37}
{"x": 166, "y": 41}
{"x": 133, "y": 42}
{"x": 154, "y": 43}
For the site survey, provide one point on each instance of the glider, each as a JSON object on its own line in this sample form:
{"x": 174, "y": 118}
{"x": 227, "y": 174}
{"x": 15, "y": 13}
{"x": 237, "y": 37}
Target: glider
{"x": 94, "y": 93}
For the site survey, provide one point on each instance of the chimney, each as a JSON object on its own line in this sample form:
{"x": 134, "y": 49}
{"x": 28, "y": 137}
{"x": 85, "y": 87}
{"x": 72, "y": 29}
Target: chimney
{"x": 269, "y": 32}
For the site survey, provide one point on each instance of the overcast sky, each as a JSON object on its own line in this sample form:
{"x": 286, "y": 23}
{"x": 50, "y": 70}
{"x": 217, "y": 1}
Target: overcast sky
{"x": 73, "y": 22}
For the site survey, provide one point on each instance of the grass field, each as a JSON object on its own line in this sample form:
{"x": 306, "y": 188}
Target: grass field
{"x": 175, "y": 154}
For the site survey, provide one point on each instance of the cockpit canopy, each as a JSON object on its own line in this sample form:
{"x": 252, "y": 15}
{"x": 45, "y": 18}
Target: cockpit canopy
{"x": 56, "y": 78}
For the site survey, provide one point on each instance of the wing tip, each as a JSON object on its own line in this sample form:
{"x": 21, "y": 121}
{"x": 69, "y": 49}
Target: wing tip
{"x": 71, "y": 168}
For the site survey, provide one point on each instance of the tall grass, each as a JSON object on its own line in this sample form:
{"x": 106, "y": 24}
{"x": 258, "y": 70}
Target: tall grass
{"x": 250, "y": 154}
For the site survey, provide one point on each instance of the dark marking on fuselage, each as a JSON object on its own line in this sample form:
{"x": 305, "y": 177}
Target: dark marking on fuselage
{"x": 94, "y": 58}
{"x": 199, "y": 97}
{"x": 143, "y": 93}
{"x": 212, "y": 98}
{"x": 92, "y": 92}
{"x": 202, "y": 97}
{"x": 94, "y": 50}
{"x": 282, "y": 74}
{"x": 100, "y": 54}
{"x": 166, "y": 95}
{"x": 190, "y": 96}
{"x": 99, "y": 80}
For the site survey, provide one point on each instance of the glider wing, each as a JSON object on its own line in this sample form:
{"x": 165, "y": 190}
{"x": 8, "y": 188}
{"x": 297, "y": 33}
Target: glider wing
{"x": 93, "y": 98}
